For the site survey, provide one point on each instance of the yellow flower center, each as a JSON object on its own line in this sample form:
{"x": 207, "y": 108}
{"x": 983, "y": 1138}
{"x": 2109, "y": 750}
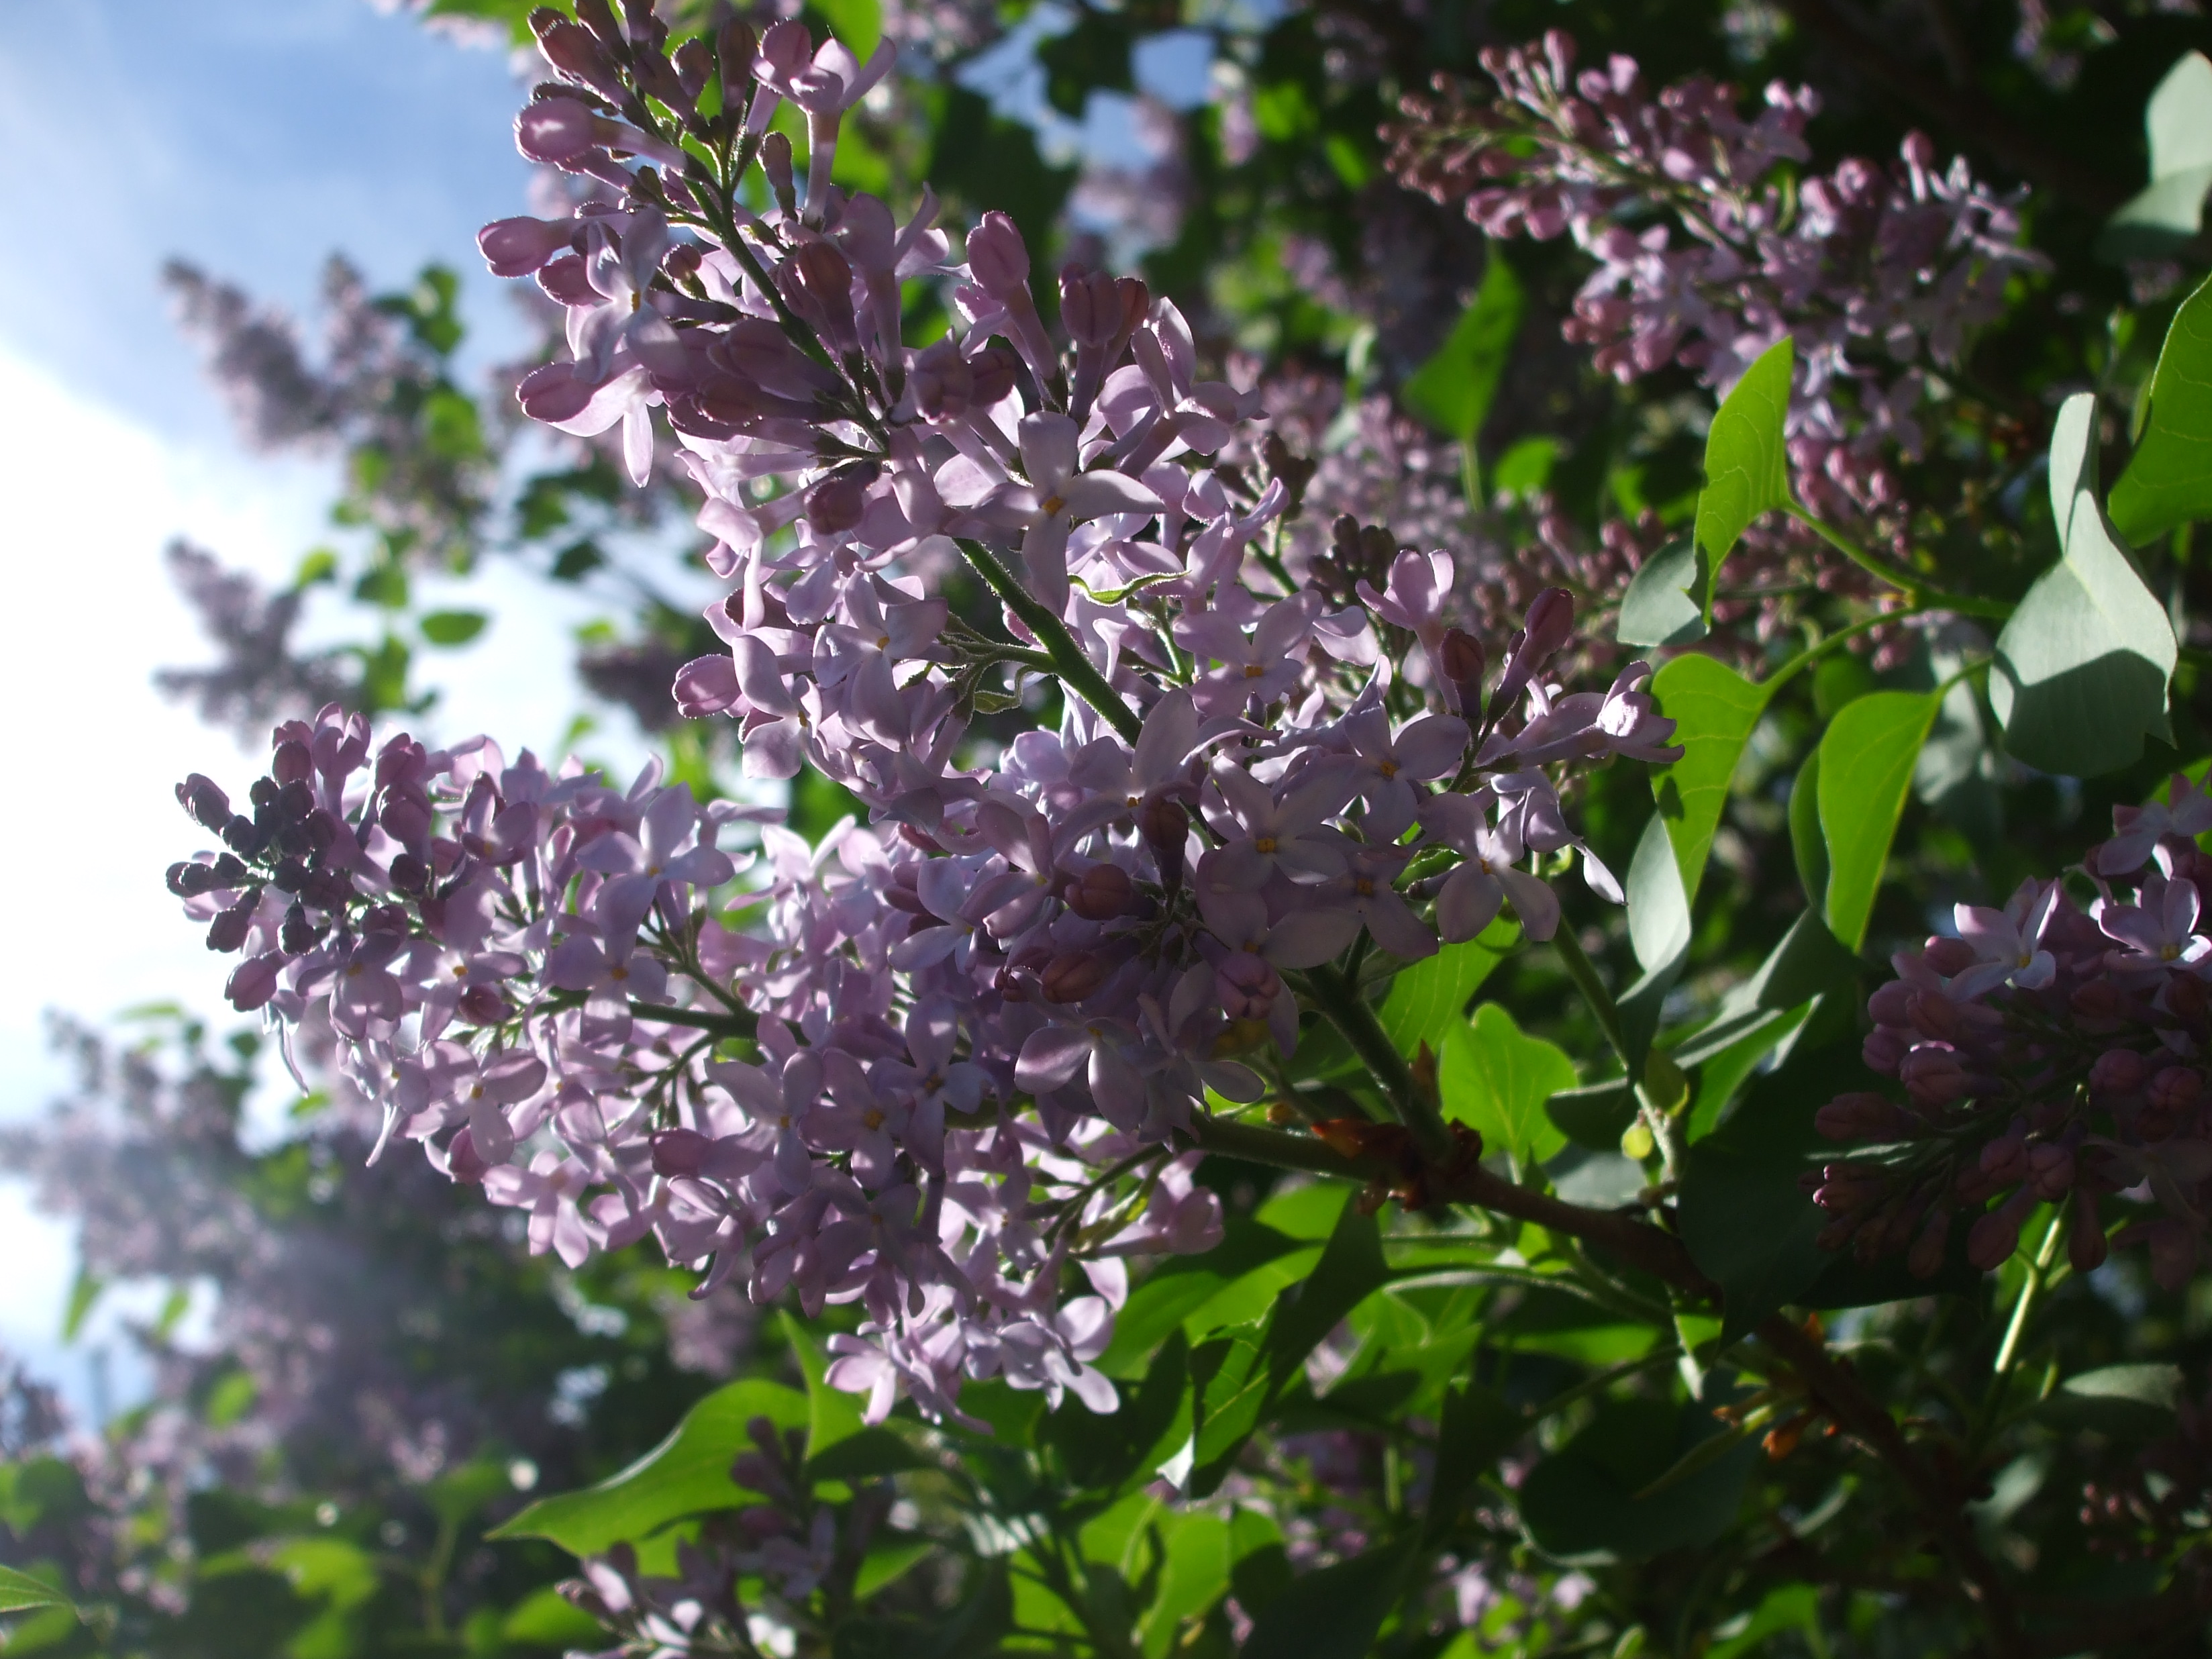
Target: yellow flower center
{"x": 1265, "y": 843}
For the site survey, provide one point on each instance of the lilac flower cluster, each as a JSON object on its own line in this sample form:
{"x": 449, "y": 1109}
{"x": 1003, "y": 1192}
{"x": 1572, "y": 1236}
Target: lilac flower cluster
{"x": 956, "y": 1057}
{"x": 2046, "y": 1053}
{"x": 1880, "y": 274}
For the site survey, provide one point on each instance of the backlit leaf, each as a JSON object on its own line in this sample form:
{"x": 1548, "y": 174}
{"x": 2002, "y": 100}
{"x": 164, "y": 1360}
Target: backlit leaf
{"x": 1867, "y": 759}
{"x": 1747, "y": 466}
{"x": 2168, "y": 480}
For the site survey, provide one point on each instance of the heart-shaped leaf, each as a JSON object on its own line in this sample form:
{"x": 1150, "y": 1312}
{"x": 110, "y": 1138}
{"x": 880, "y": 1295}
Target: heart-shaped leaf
{"x": 1867, "y": 759}
{"x": 2163, "y": 218}
{"x": 2168, "y": 480}
{"x": 1746, "y": 465}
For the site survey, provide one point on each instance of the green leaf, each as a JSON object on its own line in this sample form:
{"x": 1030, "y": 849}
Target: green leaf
{"x": 858, "y": 23}
{"x": 85, "y": 1291}
{"x": 1580, "y": 1504}
{"x": 1658, "y": 901}
{"x": 230, "y": 1398}
{"x": 1747, "y": 466}
{"x": 1496, "y": 1080}
{"x": 1867, "y": 758}
{"x": 1476, "y": 1429}
{"x": 868, "y": 1455}
{"x": 1453, "y": 389}
{"x": 2130, "y": 1402}
{"x": 832, "y": 1415}
{"x": 20, "y": 1592}
{"x": 1808, "y": 960}
{"x": 1110, "y": 1452}
{"x": 1806, "y": 847}
{"x": 1786, "y": 1608}
{"x": 1429, "y": 998}
{"x": 453, "y": 627}
{"x": 547, "y": 1619}
{"x": 2082, "y": 666}
{"x": 2159, "y": 221}
{"x": 1715, "y": 709}
{"x": 1336, "y": 1613}
{"x": 1178, "y": 1288}
{"x": 687, "y": 1474}
{"x": 889, "y": 1562}
{"x": 2168, "y": 480}
{"x": 1666, "y": 600}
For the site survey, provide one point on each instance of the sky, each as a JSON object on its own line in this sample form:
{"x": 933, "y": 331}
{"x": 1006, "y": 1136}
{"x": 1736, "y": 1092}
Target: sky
{"x": 252, "y": 138}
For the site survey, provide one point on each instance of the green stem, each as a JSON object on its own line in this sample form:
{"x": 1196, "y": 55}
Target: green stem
{"x": 1812, "y": 654}
{"x": 1664, "y": 1133}
{"x": 2009, "y": 1350}
{"x": 1348, "y": 1011}
{"x": 1076, "y": 670}
{"x": 742, "y": 1023}
{"x": 1922, "y": 596}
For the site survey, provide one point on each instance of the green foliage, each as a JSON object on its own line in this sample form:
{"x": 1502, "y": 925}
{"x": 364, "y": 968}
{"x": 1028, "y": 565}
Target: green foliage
{"x": 1453, "y": 389}
{"x": 2159, "y": 221}
{"x": 1665, "y": 601}
{"x": 2167, "y": 482}
{"x": 687, "y": 1475}
{"x": 1714, "y": 709}
{"x": 1587, "y": 1502}
{"x": 1867, "y": 759}
{"x": 2082, "y": 666}
{"x": 1747, "y": 466}
{"x": 1495, "y": 1078}
{"x": 20, "y": 1592}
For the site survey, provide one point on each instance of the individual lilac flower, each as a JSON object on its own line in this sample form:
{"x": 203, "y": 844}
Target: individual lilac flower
{"x": 1390, "y": 764}
{"x": 1474, "y": 892}
{"x": 654, "y": 867}
{"x": 1414, "y": 600}
{"x": 1262, "y": 834}
{"x": 1056, "y": 497}
{"x": 2187, "y": 811}
{"x": 2159, "y": 930}
{"x": 612, "y": 976}
{"x": 1368, "y": 891}
{"x": 1258, "y": 667}
{"x": 2008, "y": 943}
{"x": 550, "y": 1189}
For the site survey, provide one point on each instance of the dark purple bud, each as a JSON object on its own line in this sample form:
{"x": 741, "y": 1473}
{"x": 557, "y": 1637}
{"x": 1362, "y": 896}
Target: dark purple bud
{"x": 992, "y": 370}
{"x": 293, "y": 763}
{"x": 289, "y": 876}
{"x": 321, "y": 829}
{"x": 2086, "y": 1245}
{"x": 1246, "y": 986}
{"x": 299, "y": 935}
{"x": 2175, "y": 1090}
{"x": 262, "y": 792}
{"x": 680, "y": 1153}
{"x": 253, "y": 982}
{"x": 1861, "y": 1116}
{"x": 735, "y": 44}
{"x": 1090, "y": 309}
{"x": 328, "y": 890}
{"x": 2050, "y": 1170}
{"x": 189, "y": 880}
{"x": 1936, "y": 1017}
{"x": 1073, "y": 976}
{"x": 2099, "y": 1000}
{"x": 409, "y": 873}
{"x": 242, "y": 836}
{"x": 482, "y": 1005}
{"x": 1925, "y": 1258}
{"x": 836, "y": 504}
{"x": 1891, "y": 1003}
{"x": 2004, "y": 1160}
{"x": 776, "y": 161}
{"x": 818, "y": 282}
{"x": 2187, "y": 998}
{"x": 1883, "y": 1051}
{"x": 227, "y": 931}
{"x": 997, "y": 259}
{"x": 1165, "y": 825}
{"x": 1464, "y": 663}
{"x": 1845, "y": 1187}
{"x": 203, "y": 803}
{"x": 2118, "y": 1071}
{"x": 1948, "y": 957}
{"x": 1550, "y": 625}
{"x": 1100, "y": 893}
{"x": 463, "y": 1161}
{"x": 1932, "y": 1075}
{"x": 230, "y": 870}
{"x": 294, "y": 801}
{"x": 1995, "y": 1236}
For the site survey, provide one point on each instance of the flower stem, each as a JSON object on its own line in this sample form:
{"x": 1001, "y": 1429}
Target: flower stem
{"x": 1348, "y": 1011}
{"x": 1923, "y": 597}
{"x": 1665, "y": 1133}
{"x": 1076, "y": 670}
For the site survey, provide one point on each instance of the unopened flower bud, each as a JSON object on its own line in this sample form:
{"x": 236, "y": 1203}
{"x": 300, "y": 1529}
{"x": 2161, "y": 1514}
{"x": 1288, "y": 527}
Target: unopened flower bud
{"x": 262, "y": 791}
{"x": 2099, "y": 1000}
{"x": 2118, "y": 1071}
{"x": 1948, "y": 957}
{"x": 187, "y": 879}
{"x": 555, "y": 130}
{"x": 252, "y": 982}
{"x": 1932, "y": 1075}
{"x": 230, "y": 870}
{"x": 1936, "y": 1017}
{"x": 1464, "y": 663}
{"x": 776, "y": 161}
{"x": 2187, "y": 998}
{"x": 463, "y": 1161}
{"x": 574, "y": 54}
{"x": 1883, "y": 1051}
{"x": 242, "y": 836}
{"x": 482, "y": 1005}
{"x": 1165, "y": 825}
{"x": 2004, "y": 1160}
{"x": 735, "y": 43}
{"x": 203, "y": 803}
{"x": 818, "y": 282}
{"x": 1994, "y": 1236}
{"x": 991, "y": 372}
{"x": 2086, "y": 1244}
{"x": 1862, "y": 1116}
{"x": 289, "y": 876}
{"x": 1073, "y": 976}
{"x": 1550, "y": 625}
{"x": 229, "y": 930}
{"x": 2050, "y": 1170}
{"x": 1925, "y": 1258}
{"x": 1246, "y": 986}
{"x": 680, "y": 1153}
{"x": 1090, "y": 308}
{"x": 521, "y": 246}
{"x": 409, "y": 873}
{"x": 292, "y": 762}
{"x": 1100, "y": 893}
{"x": 294, "y": 801}
{"x": 997, "y": 259}
{"x": 1891, "y": 1003}
{"x": 2175, "y": 1089}
{"x": 836, "y": 504}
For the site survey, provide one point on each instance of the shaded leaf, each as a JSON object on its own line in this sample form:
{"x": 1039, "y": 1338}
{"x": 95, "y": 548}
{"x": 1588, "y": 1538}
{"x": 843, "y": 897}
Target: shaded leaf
{"x": 1478, "y": 1427}
{"x": 2131, "y": 1402}
{"x": 18, "y": 1592}
{"x": 1495, "y": 1080}
{"x": 1336, "y": 1613}
{"x": 832, "y": 1415}
{"x": 1665, "y": 601}
{"x": 1580, "y": 1503}
{"x": 1867, "y": 758}
{"x": 2168, "y": 480}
